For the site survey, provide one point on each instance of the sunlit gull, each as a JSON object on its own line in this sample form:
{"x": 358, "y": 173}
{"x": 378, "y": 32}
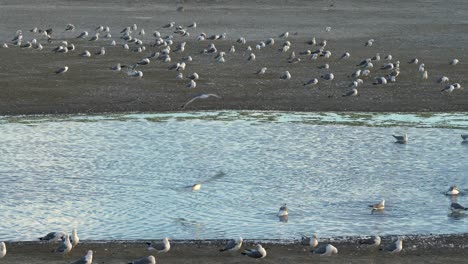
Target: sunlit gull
{"x": 144, "y": 61}
{"x": 116, "y": 67}
{"x": 326, "y": 54}
{"x": 33, "y": 30}
{"x": 457, "y": 208}
{"x": 194, "y": 76}
{"x": 163, "y": 247}
{"x": 365, "y": 72}
{"x": 99, "y": 28}
{"x": 283, "y": 211}
{"x": 323, "y": 43}
{"x": 193, "y": 25}
{"x": 70, "y": 27}
{"x": 443, "y": 79}
{"x": 465, "y": 137}
{"x": 364, "y": 62}
{"x": 402, "y": 140}
{"x": 126, "y": 30}
{"x": 284, "y": 35}
{"x": 328, "y": 76}
{"x": 448, "y": 89}
{"x": 270, "y": 42}
{"x": 378, "y": 206}
{"x": 421, "y": 67}
{"x": 390, "y": 78}
{"x": 221, "y": 60}
{"x": 353, "y": 84}
{"x": 388, "y": 57}
{"x": 142, "y": 32}
{"x": 369, "y": 43}
{"x": 200, "y": 96}
{"x": 61, "y": 71}
{"x": 310, "y": 241}
{"x": 286, "y": 76}
{"x": 294, "y": 60}
{"x": 425, "y": 75}
{"x": 108, "y": 35}
{"x": 376, "y": 57}
{"x": 195, "y": 187}
{"x": 233, "y": 245}
{"x": 326, "y": 250}
{"x": 107, "y": 29}
{"x": 257, "y": 252}
{"x": 454, "y": 62}
{"x": 251, "y": 57}
{"x": 53, "y": 236}
{"x": 312, "y": 81}
{"x": 457, "y": 86}
{"x": 86, "y": 259}
{"x": 380, "y": 80}
{"x": 188, "y": 58}
{"x": 166, "y": 58}
{"x": 65, "y": 247}
{"x": 261, "y": 71}
{"x": 74, "y": 239}
{"x": 353, "y": 92}
{"x": 171, "y": 24}
{"x": 3, "y": 249}
{"x": 181, "y": 66}
{"x": 95, "y": 37}
{"x": 325, "y": 66}
{"x": 5, "y": 45}
{"x": 191, "y": 85}
{"x": 314, "y": 56}
{"x": 26, "y": 45}
{"x": 388, "y": 66}
{"x": 345, "y": 56}
{"x": 396, "y": 246}
{"x": 356, "y": 73}
{"x": 101, "y": 51}
{"x": 373, "y": 241}
{"x": 145, "y": 260}
{"x": 453, "y": 190}
{"x": 413, "y": 61}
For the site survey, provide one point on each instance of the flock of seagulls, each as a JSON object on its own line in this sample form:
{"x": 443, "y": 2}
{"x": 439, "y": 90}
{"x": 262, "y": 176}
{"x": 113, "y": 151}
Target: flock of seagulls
{"x": 403, "y": 139}
{"x": 175, "y": 42}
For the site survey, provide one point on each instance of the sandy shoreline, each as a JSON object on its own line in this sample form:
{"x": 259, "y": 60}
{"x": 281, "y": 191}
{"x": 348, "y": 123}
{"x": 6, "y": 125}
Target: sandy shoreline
{"x": 29, "y": 85}
{"x": 417, "y": 249}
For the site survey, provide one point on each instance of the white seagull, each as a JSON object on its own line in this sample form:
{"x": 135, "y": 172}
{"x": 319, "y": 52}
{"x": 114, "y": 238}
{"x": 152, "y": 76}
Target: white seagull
{"x": 86, "y": 259}
{"x": 233, "y": 245}
{"x": 65, "y": 247}
{"x": 396, "y": 246}
{"x": 453, "y": 190}
{"x": 53, "y": 236}
{"x": 378, "y": 206}
{"x": 373, "y": 241}
{"x": 145, "y": 260}
{"x": 191, "y": 85}
{"x": 454, "y": 62}
{"x": 160, "y": 248}
{"x": 312, "y": 81}
{"x": 257, "y": 252}
{"x": 401, "y": 139}
{"x": 74, "y": 239}
{"x": 262, "y": 71}
{"x": 283, "y": 211}
{"x": 286, "y": 76}
{"x": 61, "y": 71}
{"x": 200, "y": 96}
{"x": 353, "y": 92}
{"x": 326, "y": 250}
{"x": 3, "y": 250}
{"x": 328, "y": 76}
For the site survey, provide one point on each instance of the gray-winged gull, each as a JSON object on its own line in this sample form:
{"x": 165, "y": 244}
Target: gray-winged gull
{"x": 3, "y": 249}
{"x": 65, "y": 247}
{"x": 145, "y": 260}
{"x": 200, "y": 96}
{"x": 286, "y": 76}
{"x": 396, "y": 246}
{"x": 454, "y": 62}
{"x": 443, "y": 79}
{"x": 373, "y": 241}
{"x": 191, "y": 85}
{"x": 261, "y": 71}
{"x": 61, "y": 70}
{"x": 233, "y": 245}
{"x": 257, "y": 252}
{"x": 457, "y": 208}
{"x": 464, "y": 137}
{"x": 163, "y": 247}
{"x": 325, "y": 250}
{"x": 312, "y": 81}
{"x": 353, "y": 92}
{"x": 86, "y": 259}
{"x": 328, "y": 76}
{"x": 401, "y": 139}
{"x": 74, "y": 239}
{"x": 378, "y": 206}
{"x": 283, "y": 211}
{"x": 453, "y": 190}
{"x": 53, "y": 236}
{"x": 448, "y": 89}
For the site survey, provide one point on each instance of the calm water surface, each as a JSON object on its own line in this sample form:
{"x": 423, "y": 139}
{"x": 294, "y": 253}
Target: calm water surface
{"x": 124, "y": 176}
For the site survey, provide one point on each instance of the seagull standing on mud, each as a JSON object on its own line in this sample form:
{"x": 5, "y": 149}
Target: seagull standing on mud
{"x": 145, "y": 260}
{"x": 233, "y": 245}
{"x": 86, "y": 259}
{"x": 3, "y": 250}
{"x": 62, "y": 70}
{"x": 326, "y": 250}
{"x": 396, "y": 246}
{"x": 257, "y": 252}
{"x": 373, "y": 241}
{"x": 199, "y": 96}
{"x": 160, "y": 248}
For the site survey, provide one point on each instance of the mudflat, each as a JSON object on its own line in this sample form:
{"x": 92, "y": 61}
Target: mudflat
{"x": 434, "y": 33}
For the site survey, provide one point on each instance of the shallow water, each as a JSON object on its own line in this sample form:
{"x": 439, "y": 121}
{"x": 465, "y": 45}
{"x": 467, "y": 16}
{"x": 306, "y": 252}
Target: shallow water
{"x": 124, "y": 176}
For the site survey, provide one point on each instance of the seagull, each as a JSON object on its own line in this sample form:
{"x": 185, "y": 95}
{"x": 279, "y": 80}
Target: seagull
{"x": 413, "y": 61}
{"x": 283, "y": 211}
{"x": 199, "y": 96}
{"x": 378, "y": 206}
{"x": 138, "y": 74}
{"x": 369, "y": 43}
{"x": 233, "y": 245}
{"x": 172, "y": 24}
{"x": 116, "y": 67}
{"x": 311, "y": 241}
{"x": 396, "y": 246}
{"x": 65, "y": 247}
{"x": 85, "y": 53}
{"x": 74, "y": 239}
{"x": 251, "y": 57}
{"x": 465, "y": 137}
{"x": 86, "y": 259}
{"x": 70, "y": 27}
{"x": 193, "y": 25}
{"x": 325, "y": 250}
{"x": 61, "y": 71}
{"x": 443, "y": 79}
{"x": 284, "y": 35}
{"x": 353, "y": 92}
{"x": 372, "y": 241}
{"x": 144, "y": 61}
{"x": 454, "y": 62}
{"x": 160, "y": 248}
{"x": 345, "y": 56}
{"x": 195, "y": 187}
{"x": 95, "y": 37}
{"x": 53, "y": 236}
{"x": 191, "y": 85}
{"x": 102, "y": 51}
{"x": 453, "y": 190}
{"x": 380, "y": 80}
{"x": 328, "y": 76}
{"x": 401, "y": 139}
{"x": 312, "y": 81}
{"x": 3, "y": 250}
{"x": 448, "y": 89}
{"x": 262, "y": 71}
{"x": 194, "y": 76}
{"x": 145, "y": 260}
{"x": 425, "y": 75}
{"x": 258, "y": 252}
{"x": 457, "y": 208}
{"x": 286, "y": 76}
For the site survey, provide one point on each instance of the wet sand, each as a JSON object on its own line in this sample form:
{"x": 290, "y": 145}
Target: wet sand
{"x": 434, "y": 33}
{"x": 440, "y": 249}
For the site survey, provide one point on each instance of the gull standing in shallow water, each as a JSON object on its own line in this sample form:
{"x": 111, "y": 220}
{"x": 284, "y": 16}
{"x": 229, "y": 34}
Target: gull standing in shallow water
{"x": 283, "y": 211}
{"x": 2, "y": 249}
{"x": 160, "y": 248}
{"x": 453, "y": 190}
{"x": 401, "y": 139}
{"x": 326, "y": 250}
{"x": 457, "y": 208}
{"x": 258, "y": 252}
{"x": 465, "y": 137}
{"x": 378, "y": 206}
{"x": 86, "y": 259}
{"x": 145, "y": 260}
{"x": 233, "y": 245}
{"x": 199, "y": 96}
